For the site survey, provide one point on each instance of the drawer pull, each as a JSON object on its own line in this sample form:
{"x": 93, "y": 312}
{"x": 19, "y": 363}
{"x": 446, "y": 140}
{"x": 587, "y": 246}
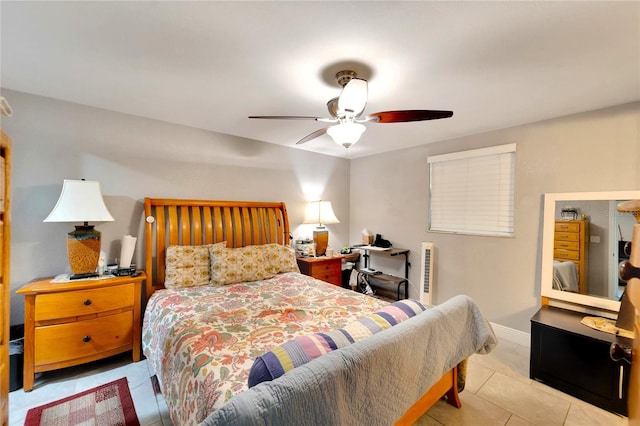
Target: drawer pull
{"x": 86, "y": 339}
{"x": 621, "y": 382}
{"x": 87, "y": 302}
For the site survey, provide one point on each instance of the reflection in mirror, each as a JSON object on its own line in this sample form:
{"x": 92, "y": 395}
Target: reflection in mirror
{"x": 584, "y": 239}
{"x": 607, "y": 242}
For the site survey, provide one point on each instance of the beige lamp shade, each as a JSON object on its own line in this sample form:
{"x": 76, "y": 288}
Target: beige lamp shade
{"x": 320, "y": 213}
{"x": 81, "y": 201}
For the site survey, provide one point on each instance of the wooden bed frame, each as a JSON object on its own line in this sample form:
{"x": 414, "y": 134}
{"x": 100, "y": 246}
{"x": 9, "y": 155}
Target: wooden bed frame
{"x": 197, "y": 222}
{"x": 241, "y": 223}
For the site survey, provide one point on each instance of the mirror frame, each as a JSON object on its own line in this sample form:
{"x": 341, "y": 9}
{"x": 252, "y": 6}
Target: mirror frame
{"x": 548, "y": 227}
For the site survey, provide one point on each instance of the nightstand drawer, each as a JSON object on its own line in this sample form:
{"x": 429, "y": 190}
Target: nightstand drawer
{"x": 63, "y": 342}
{"x": 330, "y": 277}
{"x": 327, "y": 269}
{"x": 330, "y": 272}
{"x": 83, "y": 302}
{"x": 321, "y": 269}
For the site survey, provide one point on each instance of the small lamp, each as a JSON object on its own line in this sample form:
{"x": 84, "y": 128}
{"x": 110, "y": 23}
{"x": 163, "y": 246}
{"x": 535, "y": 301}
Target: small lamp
{"x": 81, "y": 201}
{"x": 320, "y": 212}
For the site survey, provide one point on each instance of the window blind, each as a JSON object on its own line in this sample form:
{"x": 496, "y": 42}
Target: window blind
{"x": 471, "y": 192}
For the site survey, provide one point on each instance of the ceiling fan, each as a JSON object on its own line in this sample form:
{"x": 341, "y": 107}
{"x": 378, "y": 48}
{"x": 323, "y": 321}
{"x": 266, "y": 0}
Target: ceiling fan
{"x": 347, "y": 109}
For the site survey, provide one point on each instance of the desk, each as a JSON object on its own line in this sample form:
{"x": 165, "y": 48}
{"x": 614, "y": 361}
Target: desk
{"x": 382, "y": 280}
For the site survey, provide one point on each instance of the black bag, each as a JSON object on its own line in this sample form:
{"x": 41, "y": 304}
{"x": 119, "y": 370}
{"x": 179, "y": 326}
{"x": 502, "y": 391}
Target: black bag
{"x": 380, "y": 242}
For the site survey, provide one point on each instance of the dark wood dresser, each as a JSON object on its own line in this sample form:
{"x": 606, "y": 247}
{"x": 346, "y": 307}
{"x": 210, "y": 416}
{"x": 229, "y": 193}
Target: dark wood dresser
{"x": 574, "y": 359}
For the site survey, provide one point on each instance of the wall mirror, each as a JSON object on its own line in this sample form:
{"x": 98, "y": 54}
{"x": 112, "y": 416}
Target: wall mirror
{"x": 607, "y": 234}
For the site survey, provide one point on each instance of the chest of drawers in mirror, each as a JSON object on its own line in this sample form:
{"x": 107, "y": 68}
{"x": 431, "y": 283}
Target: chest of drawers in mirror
{"x": 570, "y": 244}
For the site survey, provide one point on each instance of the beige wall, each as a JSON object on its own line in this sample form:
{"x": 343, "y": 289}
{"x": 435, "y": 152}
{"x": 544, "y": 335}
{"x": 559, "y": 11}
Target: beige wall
{"x": 593, "y": 151}
{"x": 134, "y": 157}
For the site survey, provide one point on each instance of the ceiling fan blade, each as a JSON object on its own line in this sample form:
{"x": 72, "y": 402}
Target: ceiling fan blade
{"x": 285, "y": 117}
{"x": 313, "y": 135}
{"x": 403, "y": 116}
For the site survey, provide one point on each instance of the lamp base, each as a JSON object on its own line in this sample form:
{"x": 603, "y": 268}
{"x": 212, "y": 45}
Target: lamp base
{"x": 321, "y": 239}
{"x": 83, "y": 250}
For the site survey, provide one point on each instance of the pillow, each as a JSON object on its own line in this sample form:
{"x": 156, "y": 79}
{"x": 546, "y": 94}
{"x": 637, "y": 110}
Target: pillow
{"x": 303, "y": 349}
{"x": 188, "y": 266}
{"x": 238, "y": 265}
{"x": 280, "y": 258}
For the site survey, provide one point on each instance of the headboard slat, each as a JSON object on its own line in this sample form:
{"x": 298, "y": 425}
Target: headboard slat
{"x": 173, "y": 225}
{"x": 239, "y": 231}
{"x": 228, "y": 226}
{"x": 272, "y": 226}
{"x": 196, "y": 222}
{"x": 259, "y": 215}
{"x": 197, "y": 226}
{"x": 161, "y": 244}
{"x": 219, "y": 224}
{"x": 208, "y": 226}
{"x": 185, "y": 222}
{"x": 255, "y": 226}
{"x": 246, "y": 226}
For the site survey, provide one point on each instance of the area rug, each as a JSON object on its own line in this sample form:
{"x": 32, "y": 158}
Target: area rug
{"x": 105, "y": 405}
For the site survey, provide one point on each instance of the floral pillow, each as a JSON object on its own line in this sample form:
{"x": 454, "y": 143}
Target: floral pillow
{"x": 280, "y": 258}
{"x": 188, "y": 266}
{"x": 237, "y": 265}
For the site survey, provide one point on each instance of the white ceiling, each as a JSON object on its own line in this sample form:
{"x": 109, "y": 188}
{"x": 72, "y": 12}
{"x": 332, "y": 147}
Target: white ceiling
{"x": 210, "y": 65}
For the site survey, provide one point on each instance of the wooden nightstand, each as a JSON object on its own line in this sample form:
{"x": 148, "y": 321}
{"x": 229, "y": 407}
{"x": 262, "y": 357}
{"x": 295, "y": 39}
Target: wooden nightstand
{"x": 75, "y": 322}
{"x": 327, "y": 269}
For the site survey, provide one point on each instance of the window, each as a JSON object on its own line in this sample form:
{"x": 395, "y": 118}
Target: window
{"x": 471, "y": 192}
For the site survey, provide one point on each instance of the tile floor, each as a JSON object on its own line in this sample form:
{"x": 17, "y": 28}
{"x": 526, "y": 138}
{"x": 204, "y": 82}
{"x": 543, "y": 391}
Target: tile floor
{"x": 498, "y": 392}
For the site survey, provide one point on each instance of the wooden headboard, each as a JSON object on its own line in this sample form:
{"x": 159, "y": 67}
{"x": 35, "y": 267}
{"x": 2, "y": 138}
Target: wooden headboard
{"x": 197, "y": 222}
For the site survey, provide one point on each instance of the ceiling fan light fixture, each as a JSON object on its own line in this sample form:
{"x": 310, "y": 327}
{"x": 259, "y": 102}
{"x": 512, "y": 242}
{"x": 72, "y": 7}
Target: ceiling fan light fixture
{"x": 346, "y": 134}
{"x": 353, "y": 98}
{"x": 346, "y": 110}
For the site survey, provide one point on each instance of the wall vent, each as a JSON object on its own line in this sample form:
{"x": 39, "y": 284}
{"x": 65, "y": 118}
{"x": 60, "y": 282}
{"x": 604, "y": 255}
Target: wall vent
{"x": 426, "y": 279}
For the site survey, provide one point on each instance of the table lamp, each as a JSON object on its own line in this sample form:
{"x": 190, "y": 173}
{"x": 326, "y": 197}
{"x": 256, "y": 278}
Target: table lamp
{"x": 321, "y": 213}
{"x": 81, "y": 201}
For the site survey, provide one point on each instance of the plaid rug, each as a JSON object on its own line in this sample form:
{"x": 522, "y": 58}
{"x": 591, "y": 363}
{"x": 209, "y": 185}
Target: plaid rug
{"x": 105, "y": 405}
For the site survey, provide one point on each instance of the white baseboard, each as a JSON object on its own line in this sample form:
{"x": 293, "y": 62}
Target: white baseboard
{"x": 511, "y": 334}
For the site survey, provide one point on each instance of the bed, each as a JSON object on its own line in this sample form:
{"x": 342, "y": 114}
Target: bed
{"x": 224, "y": 353}
{"x": 565, "y": 276}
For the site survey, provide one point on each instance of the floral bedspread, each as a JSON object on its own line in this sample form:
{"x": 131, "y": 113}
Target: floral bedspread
{"x": 202, "y": 341}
